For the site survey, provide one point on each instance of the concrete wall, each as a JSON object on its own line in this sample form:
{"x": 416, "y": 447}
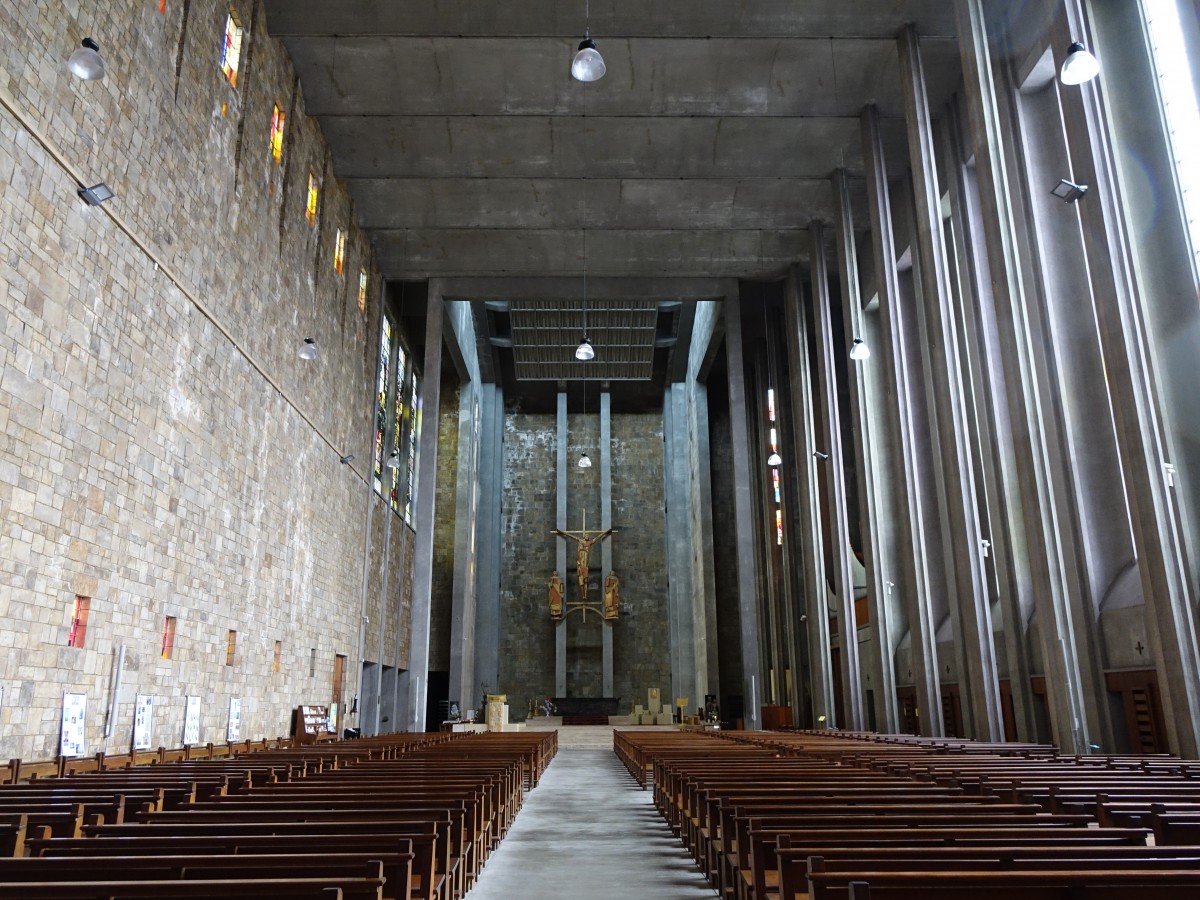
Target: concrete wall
{"x": 164, "y": 450}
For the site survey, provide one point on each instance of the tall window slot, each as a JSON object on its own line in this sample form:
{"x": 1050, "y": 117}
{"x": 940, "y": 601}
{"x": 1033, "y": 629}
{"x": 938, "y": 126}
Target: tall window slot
{"x": 414, "y": 447}
{"x": 278, "y": 656}
{"x": 314, "y": 195}
{"x": 277, "y": 119}
{"x": 381, "y": 399}
{"x": 312, "y": 663}
{"x": 339, "y": 252}
{"x": 168, "y": 637}
{"x": 231, "y": 648}
{"x": 231, "y": 48}
{"x": 79, "y": 618}
{"x": 362, "y": 292}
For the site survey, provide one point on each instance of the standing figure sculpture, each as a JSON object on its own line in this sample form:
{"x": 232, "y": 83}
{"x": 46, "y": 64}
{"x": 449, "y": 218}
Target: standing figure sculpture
{"x": 584, "y": 540}
{"x": 612, "y": 597}
{"x": 554, "y": 591}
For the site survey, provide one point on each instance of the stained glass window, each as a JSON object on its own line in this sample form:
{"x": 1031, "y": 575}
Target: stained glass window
{"x": 771, "y": 404}
{"x": 277, "y": 118}
{"x": 398, "y": 424}
{"x": 162, "y": 6}
{"x": 774, "y": 439}
{"x": 381, "y": 398}
{"x": 414, "y": 447}
{"x": 339, "y": 252}
{"x": 231, "y": 48}
{"x": 314, "y": 193}
{"x": 779, "y": 527}
{"x": 775, "y": 478}
{"x": 362, "y": 292}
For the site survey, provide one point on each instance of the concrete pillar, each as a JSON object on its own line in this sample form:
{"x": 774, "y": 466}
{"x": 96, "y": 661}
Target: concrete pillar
{"x": 680, "y": 588}
{"x": 814, "y": 630}
{"x": 606, "y": 550}
{"x": 1145, "y": 442}
{"x": 488, "y": 545}
{"x": 913, "y": 577}
{"x": 560, "y": 557}
{"x": 835, "y": 482}
{"x": 747, "y": 576}
{"x": 877, "y": 532}
{"x": 414, "y": 683}
{"x": 463, "y": 596}
{"x": 952, "y": 432}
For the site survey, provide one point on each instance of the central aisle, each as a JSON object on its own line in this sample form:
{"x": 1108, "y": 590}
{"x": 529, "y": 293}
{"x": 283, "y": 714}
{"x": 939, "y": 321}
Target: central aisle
{"x": 588, "y": 831}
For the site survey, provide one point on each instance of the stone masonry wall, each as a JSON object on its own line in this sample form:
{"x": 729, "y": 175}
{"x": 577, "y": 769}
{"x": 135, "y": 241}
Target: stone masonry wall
{"x": 164, "y": 450}
{"x": 442, "y": 590}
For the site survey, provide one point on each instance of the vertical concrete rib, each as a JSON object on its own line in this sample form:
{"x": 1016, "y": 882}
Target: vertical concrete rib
{"x": 747, "y": 558}
{"x": 913, "y": 575}
{"x": 606, "y": 549}
{"x": 463, "y": 597}
{"x": 881, "y": 665}
{"x": 560, "y": 553}
{"x": 800, "y": 457}
{"x": 835, "y": 482}
{"x": 951, "y": 431}
{"x": 488, "y": 545}
{"x": 415, "y": 681}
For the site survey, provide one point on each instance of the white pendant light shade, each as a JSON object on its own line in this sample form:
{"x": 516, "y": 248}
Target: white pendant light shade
{"x": 859, "y": 349}
{"x": 774, "y": 459}
{"x": 393, "y": 461}
{"x": 588, "y": 64}
{"x": 86, "y": 62}
{"x": 585, "y": 461}
{"x": 309, "y": 349}
{"x": 585, "y": 351}
{"x": 1079, "y": 66}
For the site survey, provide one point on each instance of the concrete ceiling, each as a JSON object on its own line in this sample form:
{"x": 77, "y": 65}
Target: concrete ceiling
{"x": 704, "y": 152}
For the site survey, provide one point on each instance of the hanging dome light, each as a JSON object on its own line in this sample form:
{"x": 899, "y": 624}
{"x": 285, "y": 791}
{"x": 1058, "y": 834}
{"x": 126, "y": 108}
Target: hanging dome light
{"x": 585, "y": 351}
{"x": 585, "y": 461}
{"x": 774, "y": 459}
{"x": 309, "y": 349}
{"x": 859, "y": 349}
{"x": 393, "y": 461}
{"x": 86, "y": 62}
{"x": 1079, "y": 66}
{"x": 588, "y": 64}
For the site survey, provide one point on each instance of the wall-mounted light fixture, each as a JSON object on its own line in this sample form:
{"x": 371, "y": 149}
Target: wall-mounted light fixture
{"x": 309, "y": 349}
{"x": 585, "y": 461}
{"x": 1079, "y": 66}
{"x": 859, "y": 349}
{"x": 86, "y": 62}
{"x": 96, "y": 194}
{"x": 817, "y": 454}
{"x": 347, "y": 459}
{"x": 393, "y": 461}
{"x": 1068, "y": 191}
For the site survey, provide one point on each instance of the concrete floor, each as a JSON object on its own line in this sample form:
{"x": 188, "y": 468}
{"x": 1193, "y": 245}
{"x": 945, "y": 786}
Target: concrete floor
{"x": 589, "y": 832}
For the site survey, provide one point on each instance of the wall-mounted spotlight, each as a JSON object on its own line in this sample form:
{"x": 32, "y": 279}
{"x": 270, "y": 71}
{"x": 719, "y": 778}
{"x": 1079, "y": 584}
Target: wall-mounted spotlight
{"x": 859, "y": 349}
{"x": 817, "y": 454}
{"x": 309, "y": 349}
{"x": 1079, "y": 66}
{"x": 1068, "y": 191}
{"x": 585, "y": 461}
{"x": 96, "y": 194}
{"x": 86, "y": 62}
{"x": 347, "y": 459}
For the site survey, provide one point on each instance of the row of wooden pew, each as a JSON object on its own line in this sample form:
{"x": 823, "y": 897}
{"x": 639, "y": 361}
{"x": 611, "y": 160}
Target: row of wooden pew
{"x": 780, "y": 816}
{"x": 398, "y": 816}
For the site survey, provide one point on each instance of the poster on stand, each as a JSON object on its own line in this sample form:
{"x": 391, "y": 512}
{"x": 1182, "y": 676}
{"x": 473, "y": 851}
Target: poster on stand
{"x": 191, "y": 721}
{"x": 74, "y": 708}
{"x": 143, "y": 721}
{"x": 234, "y": 732}
{"x": 331, "y": 721}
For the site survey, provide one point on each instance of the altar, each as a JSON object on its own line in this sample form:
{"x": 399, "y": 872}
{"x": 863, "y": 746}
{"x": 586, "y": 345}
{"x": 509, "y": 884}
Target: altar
{"x": 587, "y": 707}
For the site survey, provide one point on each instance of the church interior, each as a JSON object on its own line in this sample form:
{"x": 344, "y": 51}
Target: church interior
{"x": 794, "y": 384}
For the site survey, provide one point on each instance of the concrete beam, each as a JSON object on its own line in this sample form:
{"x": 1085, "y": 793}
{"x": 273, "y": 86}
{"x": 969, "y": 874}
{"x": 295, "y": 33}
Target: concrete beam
{"x": 571, "y": 288}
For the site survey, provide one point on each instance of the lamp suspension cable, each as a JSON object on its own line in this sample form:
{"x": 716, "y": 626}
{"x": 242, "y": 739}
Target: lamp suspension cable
{"x": 585, "y": 351}
{"x": 774, "y": 460}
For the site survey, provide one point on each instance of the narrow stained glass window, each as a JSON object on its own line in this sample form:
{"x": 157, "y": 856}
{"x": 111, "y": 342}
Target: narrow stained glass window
{"x": 775, "y": 478}
{"x": 277, "y": 118}
{"x": 314, "y": 193}
{"x": 771, "y": 404}
{"x": 231, "y": 48}
{"x": 79, "y": 617}
{"x": 231, "y": 648}
{"x": 362, "y": 292}
{"x": 779, "y": 527}
{"x": 339, "y": 252}
{"x": 398, "y": 424}
{"x": 168, "y": 637}
{"x": 162, "y": 6}
{"x": 278, "y": 656}
{"x": 381, "y": 398}
{"x": 414, "y": 447}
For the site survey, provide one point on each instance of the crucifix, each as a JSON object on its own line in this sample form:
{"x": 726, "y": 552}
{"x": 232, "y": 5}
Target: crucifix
{"x": 584, "y": 541}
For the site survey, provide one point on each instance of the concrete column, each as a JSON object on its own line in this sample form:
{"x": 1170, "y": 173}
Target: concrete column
{"x": 414, "y": 683}
{"x": 704, "y": 591}
{"x": 913, "y": 577}
{"x": 463, "y": 597}
{"x": 747, "y": 576}
{"x": 560, "y": 557}
{"x": 1131, "y": 367}
{"x": 835, "y": 482}
{"x": 606, "y": 550}
{"x": 952, "y": 432}
{"x": 800, "y": 459}
{"x": 488, "y": 545}
{"x": 877, "y": 532}
{"x": 683, "y": 624}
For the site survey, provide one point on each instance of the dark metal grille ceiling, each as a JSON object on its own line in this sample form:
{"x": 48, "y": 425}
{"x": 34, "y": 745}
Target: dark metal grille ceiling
{"x": 545, "y": 334}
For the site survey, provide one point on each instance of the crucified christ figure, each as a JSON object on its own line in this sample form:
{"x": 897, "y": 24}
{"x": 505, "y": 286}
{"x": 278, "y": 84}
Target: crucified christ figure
{"x": 584, "y": 541}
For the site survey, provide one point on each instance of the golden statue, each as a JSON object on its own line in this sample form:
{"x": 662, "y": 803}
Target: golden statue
{"x": 612, "y": 596}
{"x": 584, "y": 540}
{"x": 554, "y": 590}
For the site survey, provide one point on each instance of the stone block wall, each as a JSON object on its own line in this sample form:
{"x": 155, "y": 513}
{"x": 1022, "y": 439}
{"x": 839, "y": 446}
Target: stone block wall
{"x": 165, "y": 452}
{"x": 442, "y": 590}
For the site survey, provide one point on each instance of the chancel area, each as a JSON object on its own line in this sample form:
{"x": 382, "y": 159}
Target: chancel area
{"x": 393, "y": 391}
